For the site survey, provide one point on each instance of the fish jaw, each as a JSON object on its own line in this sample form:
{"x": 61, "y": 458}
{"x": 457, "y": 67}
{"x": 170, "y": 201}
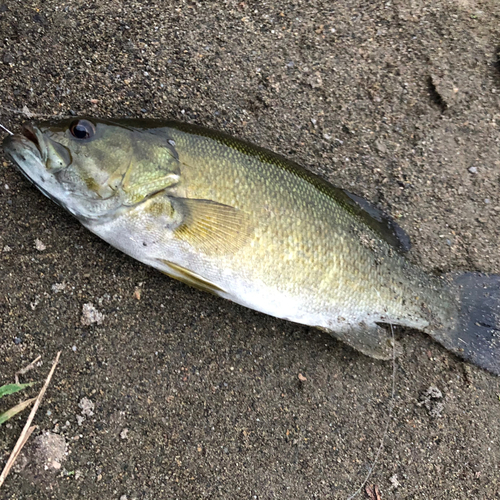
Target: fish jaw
{"x": 26, "y": 155}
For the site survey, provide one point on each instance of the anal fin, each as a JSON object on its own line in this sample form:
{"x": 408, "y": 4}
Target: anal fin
{"x": 372, "y": 340}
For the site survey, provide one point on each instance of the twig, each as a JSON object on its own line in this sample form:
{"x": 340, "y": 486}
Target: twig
{"x": 26, "y": 369}
{"x": 389, "y": 417}
{"x": 27, "y": 430}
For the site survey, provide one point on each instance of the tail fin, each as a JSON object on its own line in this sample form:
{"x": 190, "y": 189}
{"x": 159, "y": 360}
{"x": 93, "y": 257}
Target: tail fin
{"x": 476, "y": 336}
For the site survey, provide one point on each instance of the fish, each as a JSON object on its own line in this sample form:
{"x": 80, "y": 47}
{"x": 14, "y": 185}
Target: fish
{"x": 251, "y": 226}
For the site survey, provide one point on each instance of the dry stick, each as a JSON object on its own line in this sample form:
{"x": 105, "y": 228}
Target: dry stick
{"x": 26, "y": 369}
{"x": 389, "y": 417}
{"x": 27, "y": 430}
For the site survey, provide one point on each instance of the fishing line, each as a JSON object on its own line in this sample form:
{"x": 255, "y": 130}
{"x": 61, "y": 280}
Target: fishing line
{"x": 26, "y": 112}
{"x": 389, "y": 418}
{"x": 6, "y": 129}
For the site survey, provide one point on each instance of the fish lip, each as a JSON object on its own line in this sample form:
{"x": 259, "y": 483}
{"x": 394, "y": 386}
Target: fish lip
{"x": 33, "y": 134}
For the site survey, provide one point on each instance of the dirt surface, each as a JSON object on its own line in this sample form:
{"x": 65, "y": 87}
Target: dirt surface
{"x": 178, "y": 394}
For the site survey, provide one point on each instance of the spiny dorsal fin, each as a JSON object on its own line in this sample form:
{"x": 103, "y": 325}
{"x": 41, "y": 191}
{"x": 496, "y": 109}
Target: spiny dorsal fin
{"x": 213, "y": 227}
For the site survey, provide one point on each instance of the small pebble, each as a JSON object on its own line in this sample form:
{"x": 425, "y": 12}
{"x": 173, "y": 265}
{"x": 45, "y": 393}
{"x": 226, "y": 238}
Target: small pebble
{"x": 39, "y": 245}
{"x": 91, "y": 315}
{"x": 58, "y": 287}
{"x": 87, "y": 406}
{"x": 473, "y": 170}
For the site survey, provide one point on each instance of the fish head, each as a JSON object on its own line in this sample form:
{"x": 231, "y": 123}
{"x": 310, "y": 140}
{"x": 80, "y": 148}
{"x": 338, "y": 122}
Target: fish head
{"x": 94, "y": 167}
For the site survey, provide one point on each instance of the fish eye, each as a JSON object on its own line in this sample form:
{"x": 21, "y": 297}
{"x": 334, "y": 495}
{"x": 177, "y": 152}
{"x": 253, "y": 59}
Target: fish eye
{"x": 82, "y": 129}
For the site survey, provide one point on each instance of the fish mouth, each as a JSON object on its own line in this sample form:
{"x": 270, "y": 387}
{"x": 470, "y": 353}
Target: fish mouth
{"x": 28, "y": 152}
{"x": 36, "y": 139}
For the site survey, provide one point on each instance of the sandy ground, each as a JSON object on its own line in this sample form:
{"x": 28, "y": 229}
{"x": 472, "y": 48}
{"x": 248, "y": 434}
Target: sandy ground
{"x": 178, "y": 394}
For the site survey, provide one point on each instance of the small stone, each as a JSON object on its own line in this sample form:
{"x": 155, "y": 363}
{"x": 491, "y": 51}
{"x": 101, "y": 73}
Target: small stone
{"x": 381, "y": 147}
{"x": 394, "y": 481}
{"x": 58, "y": 287}
{"x": 39, "y": 245}
{"x": 315, "y": 81}
{"x": 433, "y": 392}
{"x": 87, "y": 407}
{"x": 430, "y": 399}
{"x": 27, "y": 112}
{"x": 91, "y": 315}
{"x": 472, "y": 170}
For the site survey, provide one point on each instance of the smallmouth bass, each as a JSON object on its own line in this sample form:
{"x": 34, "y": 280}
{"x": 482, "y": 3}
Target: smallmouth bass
{"x": 255, "y": 228}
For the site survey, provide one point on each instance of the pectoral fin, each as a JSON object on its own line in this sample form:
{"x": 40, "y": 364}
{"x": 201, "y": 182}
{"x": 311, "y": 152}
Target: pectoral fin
{"x": 213, "y": 227}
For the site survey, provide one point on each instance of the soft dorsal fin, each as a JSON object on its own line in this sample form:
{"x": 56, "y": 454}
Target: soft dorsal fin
{"x": 213, "y": 227}
{"x": 383, "y": 224}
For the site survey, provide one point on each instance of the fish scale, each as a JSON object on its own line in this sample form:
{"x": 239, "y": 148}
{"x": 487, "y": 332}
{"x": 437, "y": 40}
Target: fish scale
{"x": 311, "y": 228}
